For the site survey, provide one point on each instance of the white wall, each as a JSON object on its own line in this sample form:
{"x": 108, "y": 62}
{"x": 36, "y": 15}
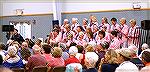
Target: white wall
{"x": 29, "y": 8}
{"x": 45, "y": 6}
{"x": 77, "y": 7}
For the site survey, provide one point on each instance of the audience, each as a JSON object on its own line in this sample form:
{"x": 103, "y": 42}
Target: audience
{"x": 12, "y": 60}
{"x": 146, "y": 60}
{"x": 90, "y": 47}
{"x": 57, "y": 60}
{"x": 109, "y": 63}
{"x": 72, "y": 59}
{"x": 90, "y": 61}
{"x": 124, "y": 58}
{"x": 36, "y": 59}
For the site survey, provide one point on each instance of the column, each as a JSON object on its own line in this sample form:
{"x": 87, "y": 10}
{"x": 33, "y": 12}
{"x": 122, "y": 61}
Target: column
{"x": 57, "y": 10}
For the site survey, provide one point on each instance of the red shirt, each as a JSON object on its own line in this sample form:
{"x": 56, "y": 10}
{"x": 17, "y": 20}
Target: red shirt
{"x": 71, "y": 60}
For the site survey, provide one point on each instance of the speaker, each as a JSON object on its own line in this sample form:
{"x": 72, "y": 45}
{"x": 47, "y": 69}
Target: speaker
{"x": 55, "y": 22}
{"x": 145, "y": 24}
{"x": 7, "y": 28}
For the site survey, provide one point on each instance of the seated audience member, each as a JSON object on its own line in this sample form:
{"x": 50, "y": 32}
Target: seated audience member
{"x": 3, "y": 69}
{"x": 146, "y": 60}
{"x": 134, "y": 55}
{"x": 124, "y": 57}
{"x": 80, "y": 56}
{"x": 65, "y": 54}
{"x": 25, "y": 53}
{"x": 38, "y": 42}
{"x": 47, "y": 52}
{"x": 12, "y": 60}
{"x": 57, "y": 60}
{"x": 74, "y": 67}
{"x": 115, "y": 42}
{"x": 101, "y": 50}
{"x": 1, "y": 60}
{"x": 36, "y": 59}
{"x": 90, "y": 61}
{"x": 145, "y": 46}
{"x": 109, "y": 62}
{"x": 30, "y": 42}
{"x": 72, "y": 59}
{"x": 2, "y": 52}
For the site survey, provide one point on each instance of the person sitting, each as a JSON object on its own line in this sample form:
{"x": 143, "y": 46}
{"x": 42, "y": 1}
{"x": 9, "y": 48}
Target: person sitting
{"x": 25, "y": 53}
{"x": 12, "y": 60}
{"x": 72, "y": 59}
{"x": 2, "y": 51}
{"x": 47, "y": 52}
{"x": 146, "y": 60}
{"x": 101, "y": 50}
{"x": 57, "y": 60}
{"x": 134, "y": 55}
{"x": 36, "y": 59}
{"x": 90, "y": 61}
{"x": 124, "y": 57}
{"x": 109, "y": 62}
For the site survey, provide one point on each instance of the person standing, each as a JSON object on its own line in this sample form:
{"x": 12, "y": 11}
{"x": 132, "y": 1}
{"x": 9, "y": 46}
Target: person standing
{"x": 124, "y": 32}
{"x": 17, "y": 37}
{"x": 134, "y": 34}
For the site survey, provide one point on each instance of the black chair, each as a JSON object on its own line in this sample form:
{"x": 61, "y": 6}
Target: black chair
{"x": 58, "y": 69}
{"x": 40, "y": 69}
{"x": 18, "y": 69}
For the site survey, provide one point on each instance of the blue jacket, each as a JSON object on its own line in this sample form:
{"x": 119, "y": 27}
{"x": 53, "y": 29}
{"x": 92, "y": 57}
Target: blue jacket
{"x": 18, "y": 64}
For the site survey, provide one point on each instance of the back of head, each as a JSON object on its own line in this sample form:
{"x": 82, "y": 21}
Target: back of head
{"x": 91, "y": 58}
{"x": 2, "y": 46}
{"x": 73, "y": 50}
{"x": 146, "y": 56}
{"x": 145, "y": 46}
{"x": 12, "y": 51}
{"x": 47, "y": 48}
{"x": 57, "y": 52}
{"x": 36, "y": 49}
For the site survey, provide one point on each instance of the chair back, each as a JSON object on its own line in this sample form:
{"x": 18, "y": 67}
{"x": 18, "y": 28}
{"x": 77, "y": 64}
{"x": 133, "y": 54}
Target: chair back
{"x": 40, "y": 69}
{"x": 18, "y": 69}
{"x": 59, "y": 69}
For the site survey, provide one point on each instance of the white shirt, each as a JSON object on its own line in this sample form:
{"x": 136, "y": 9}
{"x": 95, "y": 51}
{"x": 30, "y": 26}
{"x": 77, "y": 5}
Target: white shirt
{"x": 127, "y": 66}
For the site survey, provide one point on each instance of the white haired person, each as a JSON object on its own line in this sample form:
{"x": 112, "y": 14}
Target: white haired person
{"x": 90, "y": 61}
{"x": 124, "y": 57}
{"x": 74, "y": 24}
{"x": 37, "y": 59}
{"x": 134, "y": 55}
{"x": 12, "y": 60}
{"x": 72, "y": 59}
{"x": 146, "y": 60}
{"x": 134, "y": 33}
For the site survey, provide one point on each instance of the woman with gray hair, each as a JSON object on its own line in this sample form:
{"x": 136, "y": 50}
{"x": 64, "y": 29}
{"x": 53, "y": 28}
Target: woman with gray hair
{"x": 12, "y": 60}
{"x": 90, "y": 61}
